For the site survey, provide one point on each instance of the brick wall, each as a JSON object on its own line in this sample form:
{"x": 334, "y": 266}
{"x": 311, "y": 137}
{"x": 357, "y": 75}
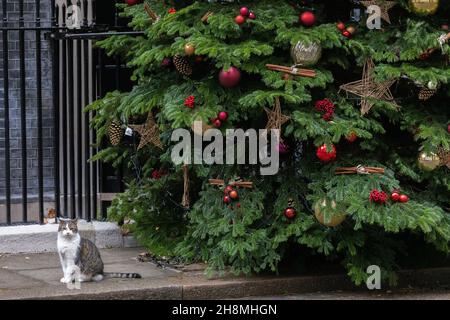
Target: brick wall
{"x": 31, "y": 102}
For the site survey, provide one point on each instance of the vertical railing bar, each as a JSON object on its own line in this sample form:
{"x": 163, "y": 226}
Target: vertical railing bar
{"x": 79, "y": 116}
{"x": 71, "y": 114}
{"x": 39, "y": 112}
{"x": 55, "y": 92}
{"x": 6, "y": 113}
{"x": 64, "y": 109}
{"x": 23, "y": 111}
{"x": 95, "y": 175}
{"x": 87, "y": 181}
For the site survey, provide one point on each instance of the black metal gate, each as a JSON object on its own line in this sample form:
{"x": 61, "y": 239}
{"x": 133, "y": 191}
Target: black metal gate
{"x": 50, "y": 71}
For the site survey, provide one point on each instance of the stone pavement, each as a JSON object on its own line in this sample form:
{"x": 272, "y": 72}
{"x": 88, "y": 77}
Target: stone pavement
{"x": 36, "y": 276}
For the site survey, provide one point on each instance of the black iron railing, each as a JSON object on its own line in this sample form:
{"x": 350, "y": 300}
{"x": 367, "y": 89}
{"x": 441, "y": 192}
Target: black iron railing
{"x": 50, "y": 72}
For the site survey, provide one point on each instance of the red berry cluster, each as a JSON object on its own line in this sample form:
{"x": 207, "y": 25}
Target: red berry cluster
{"x": 327, "y": 107}
{"x": 189, "y": 102}
{"x": 158, "y": 173}
{"x": 172, "y": 10}
{"x": 345, "y": 31}
{"x": 378, "y": 196}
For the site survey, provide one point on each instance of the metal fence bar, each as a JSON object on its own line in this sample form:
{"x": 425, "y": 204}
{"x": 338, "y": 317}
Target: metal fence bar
{"x": 71, "y": 115}
{"x": 64, "y": 110}
{"x": 79, "y": 133}
{"x": 23, "y": 112}
{"x": 87, "y": 155}
{"x": 6, "y": 114}
{"x": 39, "y": 112}
{"x": 55, "y": 46}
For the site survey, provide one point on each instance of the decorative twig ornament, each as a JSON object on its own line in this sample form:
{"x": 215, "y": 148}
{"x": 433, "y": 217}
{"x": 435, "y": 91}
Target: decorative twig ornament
{"x": 275, "y": 118}
{"x": 152, "y": 14}
{"x": 385, "y": 6}
{"x": 149, "y": 132}
{"x": 238, "y": 183}
{"x": 292, "y": 70}
{"x": 367, "y": 88}
{"x": 185, "y": 202}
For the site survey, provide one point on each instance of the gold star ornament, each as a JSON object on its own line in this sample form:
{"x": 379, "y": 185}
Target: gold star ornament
{"x": 369, "y": 90}
{"x": 275, "y": 118}
{"x": 149, "y": 132}
{"x": 385, "y": 6}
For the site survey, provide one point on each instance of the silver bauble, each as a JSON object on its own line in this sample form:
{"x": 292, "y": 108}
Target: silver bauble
{"x": 306, "y": 54}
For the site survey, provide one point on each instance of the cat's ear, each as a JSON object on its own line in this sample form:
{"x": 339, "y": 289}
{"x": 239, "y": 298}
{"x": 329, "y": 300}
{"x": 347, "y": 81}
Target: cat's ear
{"x": 75, "y": 220}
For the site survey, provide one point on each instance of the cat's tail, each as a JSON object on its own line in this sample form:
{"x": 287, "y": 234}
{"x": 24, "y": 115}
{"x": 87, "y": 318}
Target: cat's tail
{"x": 122, "y": 275}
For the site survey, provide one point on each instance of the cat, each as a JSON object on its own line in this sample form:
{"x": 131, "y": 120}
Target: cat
{"x": 79, "y": 257}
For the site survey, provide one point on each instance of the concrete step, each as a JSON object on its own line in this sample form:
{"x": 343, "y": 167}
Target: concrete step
{"x": 42, "y": 238}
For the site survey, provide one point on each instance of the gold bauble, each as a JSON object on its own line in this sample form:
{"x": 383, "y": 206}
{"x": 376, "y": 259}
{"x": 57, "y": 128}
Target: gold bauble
{"x": 424, "y": 7}
{"x": 333, "y": 221}
{"x": 428, "y": 161}
{"x": 306, "y": 54}
{"x": 189, "y": 49}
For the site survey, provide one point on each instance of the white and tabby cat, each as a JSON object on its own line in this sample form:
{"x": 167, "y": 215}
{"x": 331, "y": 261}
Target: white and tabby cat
{"x": 80, "y": 258}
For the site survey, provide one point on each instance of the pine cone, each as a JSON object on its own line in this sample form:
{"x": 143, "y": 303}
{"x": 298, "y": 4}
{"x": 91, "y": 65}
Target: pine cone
{"x": 425, "y": 93}
{"x": 115, "y": 132}
{"x": 183, "y": 65}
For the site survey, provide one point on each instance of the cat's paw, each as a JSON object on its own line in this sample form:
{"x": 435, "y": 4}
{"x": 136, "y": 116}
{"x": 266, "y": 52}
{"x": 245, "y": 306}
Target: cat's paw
{"x": 65, "y": 280}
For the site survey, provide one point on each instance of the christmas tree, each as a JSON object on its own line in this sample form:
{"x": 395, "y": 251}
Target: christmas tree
{"x": 364, "y": 146}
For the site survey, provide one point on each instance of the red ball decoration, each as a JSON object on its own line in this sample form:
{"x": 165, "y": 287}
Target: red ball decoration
{"x": 290, "y": 213}
{"x": 448, "y": 128}
{"x": 234, "y": 194}
{"x": 252, "y": 15}
{"x": 230, "y": 77}
{"x": 340, "y": 25}
{"x": 226, "y": 199}
{"x": 172, "y": 10}
{"x": 228, "y": 189}
{"x": 132, "y": 2}
{"x": 217, "y": 123}
{"x": 307, "y": 18}
{"x": 395, "y": 196}
{"x": 222, "y": 116}
{"x": 282, "y": 148}
{"x": 244, "y": 11}
{"x": 403, "y": 198}
{"x": 445, "y": 27}
{"x": 346, "y": 34}
{"x": 239, "y": 19}
{"x": 324, "y": 155}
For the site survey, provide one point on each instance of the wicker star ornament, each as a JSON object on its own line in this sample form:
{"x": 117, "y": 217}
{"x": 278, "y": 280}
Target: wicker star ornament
{"x": 275, "y": 118}
{"x": 385, "y": 6}
{"x": 149, "y": 132}
{"x": 368, "y": 89}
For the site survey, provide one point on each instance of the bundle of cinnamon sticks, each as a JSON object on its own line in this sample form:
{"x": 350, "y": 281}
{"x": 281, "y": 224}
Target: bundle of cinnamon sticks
{"x": 358, "y": 170}
{"x": 240, "y": 184}
{"x": 292, "y": 70}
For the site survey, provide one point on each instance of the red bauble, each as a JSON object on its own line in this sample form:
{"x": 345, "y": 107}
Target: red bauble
{"x": 340, "y": 25}
{"x": 226, "y": 199}
{"x": 282, "y": 148}
{"x": 244, "y": 11}
{"x": 307, "y": 18}
{"x": 217, "y": 123}
{"x": 448, "y": 128}
{"x": 132, "y": 2}
{"x": 234, "y": 194}
{"x": 395, "y": 196}
{"x": 351, "y": 137}
{"x": 172, "y": 10}
{"x": 228, "y": 189}
{"x": 252, "y": 15}
{"x": 403, "y": 198}
{"x": 324, "y": 155}
{"x": 445, "y": 27}
{"x": 346, "y": 34}
{"x": 230, "y": 77}
{"x": 239, "y": 19}
{"x": 290, "y": 213}
{"x": 222, "y": 116}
